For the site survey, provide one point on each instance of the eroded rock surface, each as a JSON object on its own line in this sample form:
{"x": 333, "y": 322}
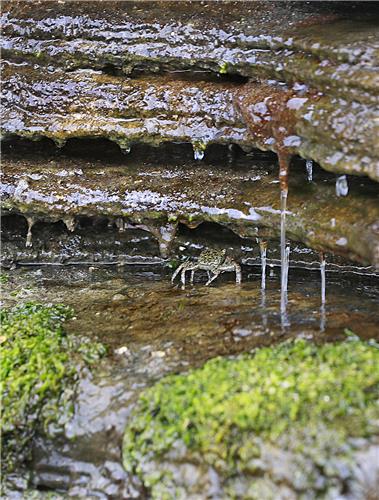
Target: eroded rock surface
{"x": 156, "y": 197}
{"x": 151, "y": 330}
{"x": 301, "y": 57}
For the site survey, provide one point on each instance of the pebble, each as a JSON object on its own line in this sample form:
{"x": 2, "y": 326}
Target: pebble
{"x": 158, "y": 354}
{"x": 242, "y": 332}
{"x": 122, "y": 350}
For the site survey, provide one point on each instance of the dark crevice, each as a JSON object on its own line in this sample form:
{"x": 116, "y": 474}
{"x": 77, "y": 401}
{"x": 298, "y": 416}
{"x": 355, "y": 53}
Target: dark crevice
{"x": 185, "y": 75}
{"x": 212, "y": 233}
{"x": 108, "y": 151}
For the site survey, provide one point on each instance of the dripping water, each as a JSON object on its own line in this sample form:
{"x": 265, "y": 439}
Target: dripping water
{"x": 284, "y": 284}
{"x": 322, "y": 317}
{"x": 283, "y": 249}
{"x": 120, "y": 224}
{"x": 198, "y": 154}
{"x": 342, "y": 187}
{"x": 263, "y": 249}
{"x": 323, "y": 277}
{"x": 231, "y": 153}
{"x": 309, "y": 168}
{"x": 29, "y": 236}
{"x": 126, "y": 150}
{"x": 264, "y": 310}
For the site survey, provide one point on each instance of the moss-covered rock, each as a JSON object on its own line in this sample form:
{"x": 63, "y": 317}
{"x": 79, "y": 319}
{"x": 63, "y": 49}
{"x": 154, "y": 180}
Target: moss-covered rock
{"x": 287, "y": 414}
{"x": 38, "y": 362}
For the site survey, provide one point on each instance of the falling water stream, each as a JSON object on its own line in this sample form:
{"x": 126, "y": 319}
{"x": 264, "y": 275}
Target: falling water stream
{"x": 284, "y": 250}
{"x": 263, "y": 249}
{"x": 342, "y": 186}
{"x": 309, "y": 168}
{"x": 323, "y": 277}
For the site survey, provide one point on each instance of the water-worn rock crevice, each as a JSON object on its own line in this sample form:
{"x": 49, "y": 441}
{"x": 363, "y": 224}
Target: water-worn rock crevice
{"x": 155, "y": 197}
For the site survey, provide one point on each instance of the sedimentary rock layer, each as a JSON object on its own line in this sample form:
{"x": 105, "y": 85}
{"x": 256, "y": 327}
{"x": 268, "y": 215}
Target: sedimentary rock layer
{"x": 298, "y": 41}
{"x": 157, "y": 197}
{"x": 341, "y": 136}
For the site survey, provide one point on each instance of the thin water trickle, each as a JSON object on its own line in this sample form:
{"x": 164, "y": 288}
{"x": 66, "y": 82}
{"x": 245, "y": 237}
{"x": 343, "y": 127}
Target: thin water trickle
{"x": 263, "y": 249}
{"x": 309, "y": 168}
{"x": 29, "y": 236}
{"x": 231, "y": 153}
{"x": 284, "y": 320}
{"x": 283, "y": 208}
{"x": 323, "y": 277}
{"x": 264, "y": 310}
{"x": 283, "y": 291}
{"x": 342, "y": 186}
{"x": 322, "y": 317}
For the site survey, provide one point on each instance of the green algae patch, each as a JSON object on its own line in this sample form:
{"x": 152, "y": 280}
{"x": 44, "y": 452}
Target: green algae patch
{"x": 38, "y": 363}
{"x": 221, "y": 415}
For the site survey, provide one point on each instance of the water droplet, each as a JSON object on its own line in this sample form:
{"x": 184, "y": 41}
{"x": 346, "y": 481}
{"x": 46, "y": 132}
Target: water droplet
{"x": 309, "y": 168}
{"x": 342, "y": 187}
{"x": 198, "y": 154}
{"x": 126, "y": 150}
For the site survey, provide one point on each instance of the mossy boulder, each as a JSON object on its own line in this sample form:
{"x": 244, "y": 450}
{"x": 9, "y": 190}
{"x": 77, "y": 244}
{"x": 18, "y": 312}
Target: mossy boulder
{"x": 39, "y": 367}
{"x": 285, "y": 420}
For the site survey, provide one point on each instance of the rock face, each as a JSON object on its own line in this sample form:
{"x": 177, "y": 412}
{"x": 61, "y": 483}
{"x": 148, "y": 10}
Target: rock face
{"x": 157, "y": 197}
{"x": 236, "y": 428}
{"x": 327, "y": 85}
{"x": 76, "y": 70}
{"x": 149, "y": 117}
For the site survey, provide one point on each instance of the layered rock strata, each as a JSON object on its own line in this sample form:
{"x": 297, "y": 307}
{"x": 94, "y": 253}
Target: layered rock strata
{"x": 84, "y": 70}
{"x": 312, "y": 77}
{"x": 157, "y": 197}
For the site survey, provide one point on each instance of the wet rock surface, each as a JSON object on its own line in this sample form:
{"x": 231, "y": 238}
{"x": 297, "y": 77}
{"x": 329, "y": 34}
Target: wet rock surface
{"x": 132, "y": 194}
{"x": 326, "y": 83}
{"x": 84, "y": 457}
{"x": 167, "y": 84}
{"x": 338, "y": 134}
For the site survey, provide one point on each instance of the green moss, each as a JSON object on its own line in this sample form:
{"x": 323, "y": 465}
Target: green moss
{"x": 38, "y": 362}
{"x": 218, "y": 411}
{"x": 4, "y": 278}
{"x": 223, "y": 68}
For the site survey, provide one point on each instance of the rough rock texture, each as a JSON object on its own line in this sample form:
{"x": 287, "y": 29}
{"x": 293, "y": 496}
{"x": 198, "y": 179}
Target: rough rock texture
{"x": 151, "y": 110}
{"x": 291, "y": 421}
{"x": 303, "y": 59}
{"x": 157, "y": 197}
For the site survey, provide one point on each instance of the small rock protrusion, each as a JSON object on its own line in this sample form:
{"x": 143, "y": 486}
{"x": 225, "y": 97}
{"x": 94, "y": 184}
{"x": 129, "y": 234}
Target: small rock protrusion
{"x": 70, "y": 223}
